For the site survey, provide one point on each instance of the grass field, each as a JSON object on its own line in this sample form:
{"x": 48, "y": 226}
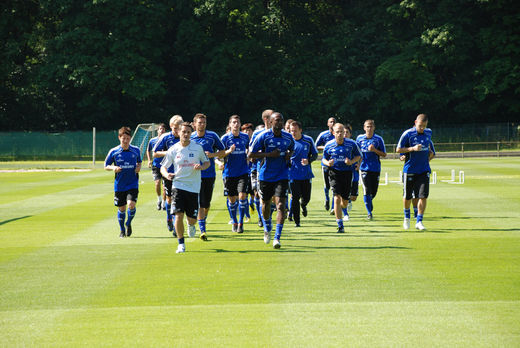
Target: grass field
{"x": 68, "y": 280}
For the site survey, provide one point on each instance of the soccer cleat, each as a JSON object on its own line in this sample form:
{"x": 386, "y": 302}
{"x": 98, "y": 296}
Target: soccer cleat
{"x": 327, "y": 205}
{"x": 341, "y": 230}
{"x": 122, "y": 234}
{"x": 349, "y": 206}
{"x": 304, "y": 210}
{"x": 331, "y": 212}
{"x": 234, "y": 228}
{"x": 159, "y": 205}
{"x": 267, "y": 237}
{"x": 420, "y": 226}
{"x": 370, "y": 217}
{"x": 276, "y": 244}
{"x": 170, "y": 225}
{"x": 240, "y": 228}
{"x": 203, "y": 237}
{"x": 289, "y": 217}
{"x": 406, "y": 223}
{"x": 174, "y": 233}
{"x": 164, "y": 205}
{"x": 346, "y": 218}
{"x": 230, "y": 222}
{"x": 296, "y": 225}
{"x": 128, "y": 230}
{"x": 260, "y": 223}
{"x": 246, "y": 219}
{"x": 191, "y": 231}
{"x": 181, "y": 249}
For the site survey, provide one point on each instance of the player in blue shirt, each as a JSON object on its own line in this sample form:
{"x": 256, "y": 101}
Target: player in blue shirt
{"x": 213, "y": 147}
{"x": 340, "y": 155}
{"x": 323, "y": 138}
{"x": 155, "y": 164}
{"x": 300, "y": 172}
{"x": 274, "y": 147}
{"x": 166, "y": 141}
{"x": 125, "y": 161}
{"x": 417, "y": 142}
{"x": 372, "y": 149}
{"x": 236, "y": 172}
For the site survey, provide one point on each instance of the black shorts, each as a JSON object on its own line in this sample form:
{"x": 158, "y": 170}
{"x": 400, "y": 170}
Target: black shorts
{"x": 167, "y": 187}
{"x": 122, "y": 197}
{"x": 325, "y": 172}
{"x": 354, "y": 189}
{"x": 206, "y": 191}
{"x": 416, "y": 185}
{"x": 156, "y": 173}
{"x": 270, "y": 189}
{"x": 254, "y": 180}
{"x": 370, "y": 181}
{"x": 236, "y": 184}
{"x": 185, "y": 202}
{"x": 340, "y": 182}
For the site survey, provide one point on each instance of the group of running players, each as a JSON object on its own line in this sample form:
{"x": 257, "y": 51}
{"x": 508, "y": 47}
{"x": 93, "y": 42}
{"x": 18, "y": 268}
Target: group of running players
{"x": 266, "y": 164}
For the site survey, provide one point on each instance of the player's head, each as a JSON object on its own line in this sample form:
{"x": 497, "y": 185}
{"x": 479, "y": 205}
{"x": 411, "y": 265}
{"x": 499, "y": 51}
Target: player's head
{"x": 288, "y": 124}
{"x": 247, "y": 128}
{"x": 199, "y": 122}
{"x": 276, "y": 121}
{"x": 175, "y": 123}
{"x": 421, "y": 122}
{"x": 339, "y": 132}
{"x": 185, "y": 131}
{"x": 266, "y": 116}
{"x": 125, "y": 135}
{"x": 296, "y": 129}
{"x": 234, "y": 123}
{"x": 161, "y": 129}
{"x": 369, "y": 126}
{"x": 331, "y": 122}
{"x": 348, "y": 130}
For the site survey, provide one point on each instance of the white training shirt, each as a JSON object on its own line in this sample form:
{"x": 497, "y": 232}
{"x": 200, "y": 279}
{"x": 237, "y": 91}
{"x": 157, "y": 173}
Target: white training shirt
{"x": 184, "y": 159}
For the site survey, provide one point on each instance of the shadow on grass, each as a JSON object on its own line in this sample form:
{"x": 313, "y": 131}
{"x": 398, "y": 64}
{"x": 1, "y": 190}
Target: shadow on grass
{"x": 14, "y": 219}
{"x": 301, "y": 249}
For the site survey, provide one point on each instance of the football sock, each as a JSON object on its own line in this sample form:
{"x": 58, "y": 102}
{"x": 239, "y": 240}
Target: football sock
{"x": 368, "y": 203}
{"x": 121, "y": 219}
{"x": 228, "y": 204}
{"x": 407, "y": 213}
{"x": 131, "y": 214}
{"x": 415, "y": 211}
{"x": 339, "y": 222}
{"x": 181, "y": 240}
{"x": 332, "y": 205}
{"x": 268, "y": 225}
{"x": 290, "y": 207}
{"x": 278, "y": 232}
{"x": 159, "y": 199}
{"x": 242, "y": 208}
{"x": 202, "y": 225}
{"x": 168, "y": 211}
{"x": 233, "y": 207}
{"x": 257, "y": 205}
{"x": 345, "y": 211}
{"x": 419, "y": 217}
{"x": 326, "y": 193}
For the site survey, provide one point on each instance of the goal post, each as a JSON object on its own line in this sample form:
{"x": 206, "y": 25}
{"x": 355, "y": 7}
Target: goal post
{"x": 142, "y": 135}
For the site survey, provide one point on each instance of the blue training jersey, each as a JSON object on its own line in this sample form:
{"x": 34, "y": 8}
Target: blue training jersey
{"x": 236, "y": 162}
{"x": 273, "y": 169}
{"x": 323, "y": 138}
{"x": 256, "y": 163}
{"x": 156, "y": 162}
{"x": 127, "y": 178}
{"x": 211, "y": 143}
{"x": 418, "y": 161}
{"x": 303, "y": 148}
{"x": 164, "y": 143}
{"x": 370, "y": 161}
{"x": 349, "y": 149}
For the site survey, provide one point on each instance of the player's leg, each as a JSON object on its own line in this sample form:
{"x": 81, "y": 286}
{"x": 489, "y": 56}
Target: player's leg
{"x": 242, "y": 201}
{"x": 296, "y": 190}
{"x": 280, "y": 196}
{"x": 408, "y": 181}
{"x": 306, "y": 189}
{"x": 178, "y": 209}
{"x": 266, "y": 190}
{"x": 326, "y": 186}
{"x": 422, "y": 192}
{"x": 131, "y": 200}
{"x": 350, "y": 191}
{"x": 168, "y": 206}
{"x": 120, "y": 203}
{"x": 156, "y": 173}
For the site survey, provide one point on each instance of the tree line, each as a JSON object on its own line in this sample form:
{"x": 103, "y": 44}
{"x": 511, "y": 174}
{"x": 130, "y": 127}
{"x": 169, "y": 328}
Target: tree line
{"x": 71, "y": 65}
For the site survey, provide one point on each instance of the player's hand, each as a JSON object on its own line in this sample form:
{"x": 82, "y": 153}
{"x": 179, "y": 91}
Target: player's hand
{"x": 232, "y": 148}
{"x": 170, "y": 176}
{"x": 417, "y": 147}
{"x": 197, "y": 166}
{"x": 305, "y": 162}
{"x": 402, "y": 158}
{"x": 331, "y": 162}
{"x": 149, "y": 164}
{"x": 209, "y": 154}
{"x": 274, "y": 153}
{"x": 348, "y": 162}
{"x": 117, "y": 169}
{"x": 371, "y": 147}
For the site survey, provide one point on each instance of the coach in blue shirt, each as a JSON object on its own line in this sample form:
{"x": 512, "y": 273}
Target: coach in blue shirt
{"x": 417, "y": 142}
{"x": 274, "y": 147}
{"x": 372, "y": 149}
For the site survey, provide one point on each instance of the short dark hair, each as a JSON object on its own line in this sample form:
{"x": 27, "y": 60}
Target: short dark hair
{"x": 246, "y": 126}
{"x": 124, "y": 130}
{"x": 197, "y": 116}
{"x": 296, "y": 123}
{"x": 232, "y": 117}
{"x": 187, "y": 124}
{"x": 422, "y": 117}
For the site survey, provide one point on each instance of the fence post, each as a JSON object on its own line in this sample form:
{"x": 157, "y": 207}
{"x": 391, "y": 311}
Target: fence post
{"x": 94, "y": 146}
{"x": 462, "y": 144}
{"x": 498, "y": 148}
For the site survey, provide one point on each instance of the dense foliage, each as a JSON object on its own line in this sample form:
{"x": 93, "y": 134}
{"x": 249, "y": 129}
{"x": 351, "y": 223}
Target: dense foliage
{"x": 76, "y": 64}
